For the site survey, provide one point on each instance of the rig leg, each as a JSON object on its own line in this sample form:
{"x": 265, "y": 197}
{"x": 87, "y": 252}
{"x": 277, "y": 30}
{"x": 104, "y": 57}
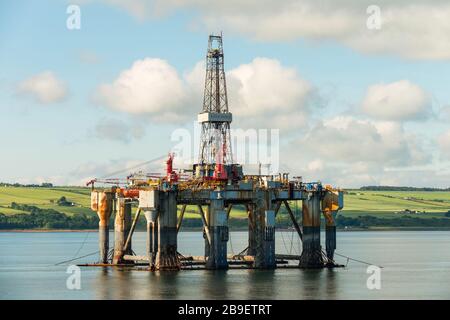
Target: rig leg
{"x": 330, "y": 237}
{"x": 102, "y": 202}
{"x": 218, "y": 230}
{"x": 152, "y": 236}
{"x": 311, "y": 256}
{"x": 167, "y": 255}
{"x": 103, "y": 239}
{"x": 264, "y": 232}
{"x": 122, "y": 225}
{"x": 330, "y": 234}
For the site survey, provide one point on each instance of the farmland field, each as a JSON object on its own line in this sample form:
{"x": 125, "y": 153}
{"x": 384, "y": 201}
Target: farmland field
{"x": 45, "y": 198}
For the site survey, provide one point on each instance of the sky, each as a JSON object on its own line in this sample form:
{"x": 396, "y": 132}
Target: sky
{"x": 360, "y": 94}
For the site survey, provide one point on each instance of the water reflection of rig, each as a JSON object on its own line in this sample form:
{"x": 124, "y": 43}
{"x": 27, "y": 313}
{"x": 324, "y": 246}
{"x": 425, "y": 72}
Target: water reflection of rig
{"x": 213, "y": 186}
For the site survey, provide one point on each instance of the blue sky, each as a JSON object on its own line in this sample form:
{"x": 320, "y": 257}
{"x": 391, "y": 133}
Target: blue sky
{"x": 63, "y": 142}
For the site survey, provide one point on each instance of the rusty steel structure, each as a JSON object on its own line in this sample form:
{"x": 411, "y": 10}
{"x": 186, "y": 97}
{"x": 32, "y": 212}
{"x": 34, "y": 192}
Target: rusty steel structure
{"x": 215, "y": 185}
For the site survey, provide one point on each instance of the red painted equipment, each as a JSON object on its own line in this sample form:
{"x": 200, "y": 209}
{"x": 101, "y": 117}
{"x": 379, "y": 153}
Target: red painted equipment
{"x": 220, "y": 172}
{"x": 129, "y": 193}
{"x": 171, "y": 174}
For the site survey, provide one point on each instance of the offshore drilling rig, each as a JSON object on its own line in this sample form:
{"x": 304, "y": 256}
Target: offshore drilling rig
{"x": 215, "y": 184}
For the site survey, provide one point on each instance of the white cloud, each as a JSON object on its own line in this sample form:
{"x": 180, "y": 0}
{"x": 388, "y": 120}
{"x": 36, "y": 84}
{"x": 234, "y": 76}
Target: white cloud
{"x": 415, "y": 29}
{"x": 435, "y": 177}
{"x": 262, "y": 93}
{"x": 118, "y": 130}
{"x": 351, "y": 140}
{"x": 114, "y": 168}
{"x": 315, "y": 165}
{"x": 444, "y": 114}
{"x": 444, "y": 145}
{"x": 141, "y": 9}
{"x": 350, "y": 152}
{"x": 401, "y": 100}
{"x": 264, "y": 86}
{"x": 44, "y": 87}
{"x": 151, "y": 86}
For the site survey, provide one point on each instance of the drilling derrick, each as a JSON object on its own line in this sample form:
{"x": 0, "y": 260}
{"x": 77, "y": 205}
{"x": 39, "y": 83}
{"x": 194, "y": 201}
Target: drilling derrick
{"x": 215, "y": 155}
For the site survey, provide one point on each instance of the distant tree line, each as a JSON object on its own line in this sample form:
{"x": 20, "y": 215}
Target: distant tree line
{"x": 403, "y": 221}
{"x": 391, "y": 188}
{"x": 45, "y": 219}
{"x": 38, "y": 218}
{"x": 42, "y": 185}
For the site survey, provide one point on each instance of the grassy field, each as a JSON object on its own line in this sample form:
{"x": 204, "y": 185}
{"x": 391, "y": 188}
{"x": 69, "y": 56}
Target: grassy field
{"x": 45, "y": 198}
{"x": 383, "y": 204}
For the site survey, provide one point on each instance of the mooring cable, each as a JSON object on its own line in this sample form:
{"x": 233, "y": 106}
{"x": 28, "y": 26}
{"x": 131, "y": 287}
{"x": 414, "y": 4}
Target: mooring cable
{"x": 87, "y": 255}
{"x": 82, "y": 244}
{"x": 356, "y": 260}
{"x": 284, "y": 243}
{"x": 78, "y": 251}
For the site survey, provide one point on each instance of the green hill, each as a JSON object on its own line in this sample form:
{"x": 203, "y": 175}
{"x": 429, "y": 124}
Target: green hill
{"x": 45, "y": 198}
{"x": 388, "y": 204}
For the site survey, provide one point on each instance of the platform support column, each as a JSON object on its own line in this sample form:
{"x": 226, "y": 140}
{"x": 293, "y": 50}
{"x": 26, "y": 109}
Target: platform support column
{"x": 330, "y": 233}
{"x": 311, "y": 256}
{"x": 122, "y": 225}
{"x": 264, "y": 231}
{"x": 102, "y": 203}
{"x": 218, "y": 230}
{"x": 149, "y": 204}
{"x": 332, "y": 202}
{"x": 152, "y": 236}
{"x": 167, "y": 255}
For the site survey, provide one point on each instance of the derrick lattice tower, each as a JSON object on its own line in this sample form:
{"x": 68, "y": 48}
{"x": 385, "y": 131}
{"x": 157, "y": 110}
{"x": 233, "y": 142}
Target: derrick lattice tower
{"x": 215, "y": 119}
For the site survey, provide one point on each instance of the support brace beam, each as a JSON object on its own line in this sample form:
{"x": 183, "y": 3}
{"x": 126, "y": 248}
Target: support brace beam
{"x": 277, "y": 208}
{"x": 230, "y": 206}
{"x": 180, "y": 221}
{"x": 133, "y": 226}
{"x": 205, "y": 223}
{"x": 294, "y": 221}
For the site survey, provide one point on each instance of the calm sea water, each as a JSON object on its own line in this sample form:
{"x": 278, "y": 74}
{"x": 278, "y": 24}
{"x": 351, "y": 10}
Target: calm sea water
{"x": 416, "y": 265}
